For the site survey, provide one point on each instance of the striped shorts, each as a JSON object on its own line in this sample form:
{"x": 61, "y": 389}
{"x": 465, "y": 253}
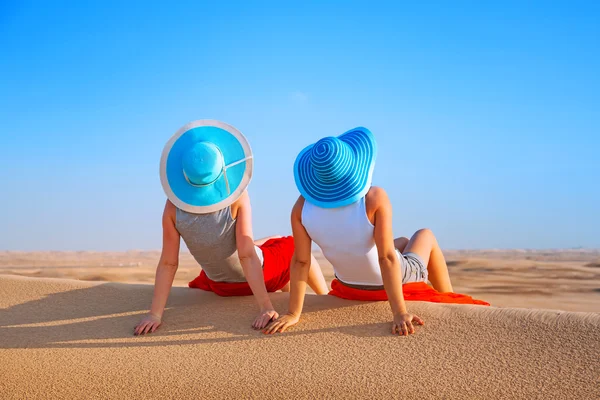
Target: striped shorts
{"x": 413, "y": 268}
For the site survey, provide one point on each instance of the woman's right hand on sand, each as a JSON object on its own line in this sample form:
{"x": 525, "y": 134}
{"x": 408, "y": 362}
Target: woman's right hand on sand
{"x": 148, "y": 324}
{"x": 403, "y": 323}
{"x": 281, "y": 324}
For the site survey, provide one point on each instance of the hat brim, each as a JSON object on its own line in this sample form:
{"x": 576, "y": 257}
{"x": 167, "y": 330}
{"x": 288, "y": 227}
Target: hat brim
{"x": 347, "y": 190}
{"x": 209, "y": 198}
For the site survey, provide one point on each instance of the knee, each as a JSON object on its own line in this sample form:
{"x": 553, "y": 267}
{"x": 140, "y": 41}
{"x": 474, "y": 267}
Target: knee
{"x": 401, "y": 242}
{"x": 425, "y": 232}
{"x": 401, "y": 239}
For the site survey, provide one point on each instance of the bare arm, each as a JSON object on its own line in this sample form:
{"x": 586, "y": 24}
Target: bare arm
{"x": 251, "y": 263}
{"x": 298, "y": 272}
{"x": 301, "y": 261}
{"x": 165, "y": 272}
{"x": 388, "y": 261}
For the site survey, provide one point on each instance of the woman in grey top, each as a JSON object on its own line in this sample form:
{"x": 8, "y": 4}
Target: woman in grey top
{"x": 205, "y": 170}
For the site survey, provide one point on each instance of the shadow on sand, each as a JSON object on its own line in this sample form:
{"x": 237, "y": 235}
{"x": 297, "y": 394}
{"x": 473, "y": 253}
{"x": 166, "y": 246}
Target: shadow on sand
{"x": 104, "y": 315}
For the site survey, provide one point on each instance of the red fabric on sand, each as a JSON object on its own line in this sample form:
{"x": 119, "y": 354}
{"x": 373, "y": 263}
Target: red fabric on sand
{"x": 418, "y": 291}
{"x": 277, "y": 256}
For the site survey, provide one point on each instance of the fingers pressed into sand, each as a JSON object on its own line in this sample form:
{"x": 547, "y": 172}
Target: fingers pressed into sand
{"x": 404, "y": 329}
{"x": 271, "y": 327}
{"x": 263, "y": 321}
{"x": 154, "y": 327}
{"x": 277, "y": 328}
{"x": 411, "y": 328}
{"x": 418, "y": 320}
{"x": 147, "y": 328}
{"x": 284, "y": 327}
{"x": 140, "y": 328}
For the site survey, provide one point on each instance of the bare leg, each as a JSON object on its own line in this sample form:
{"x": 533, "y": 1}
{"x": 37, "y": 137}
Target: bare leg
{"x": 400, "y": 243}
{"x": 424, "y": 243}
{"x": 286, "y": 288}
{"x": 316, "y": 281}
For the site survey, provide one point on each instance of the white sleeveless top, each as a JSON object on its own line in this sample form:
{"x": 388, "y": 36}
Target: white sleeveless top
{"x": 345, "y": 235}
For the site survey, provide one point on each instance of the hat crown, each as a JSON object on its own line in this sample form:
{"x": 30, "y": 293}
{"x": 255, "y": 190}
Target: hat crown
{"x": 203, "y": 163}
{"x": 331, "y": 159}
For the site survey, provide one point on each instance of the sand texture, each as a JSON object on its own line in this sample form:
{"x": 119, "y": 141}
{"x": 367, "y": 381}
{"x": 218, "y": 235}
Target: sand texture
{"x": 72, "y": 339}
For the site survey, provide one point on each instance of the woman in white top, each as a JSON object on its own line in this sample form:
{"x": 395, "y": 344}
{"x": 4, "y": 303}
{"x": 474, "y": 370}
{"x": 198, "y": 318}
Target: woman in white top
{"x": 352, "y": 223}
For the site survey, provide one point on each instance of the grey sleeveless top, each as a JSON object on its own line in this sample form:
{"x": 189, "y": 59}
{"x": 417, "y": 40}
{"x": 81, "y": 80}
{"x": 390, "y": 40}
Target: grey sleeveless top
{"x": 211, "y": 240}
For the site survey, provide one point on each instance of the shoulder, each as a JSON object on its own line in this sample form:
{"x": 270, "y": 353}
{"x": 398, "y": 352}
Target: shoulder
{"x": 170, "y": 210}
{"x": 243, "y": 199}
{"x": 242, "y": 203}
{"x": 376, "y": 197}
{"x": 297, "y": 210}
{"x": 169, "y": 217}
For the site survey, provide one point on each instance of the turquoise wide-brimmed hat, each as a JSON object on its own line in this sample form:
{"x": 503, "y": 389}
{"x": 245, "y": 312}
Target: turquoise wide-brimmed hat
{"x": 337, "y": 171}
{"x": 205, "y": 166}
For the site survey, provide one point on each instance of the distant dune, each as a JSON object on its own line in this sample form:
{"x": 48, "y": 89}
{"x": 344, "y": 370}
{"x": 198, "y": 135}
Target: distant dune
{"x": 555, "y": 279}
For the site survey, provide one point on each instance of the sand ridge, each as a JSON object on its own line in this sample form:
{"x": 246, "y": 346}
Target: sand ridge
{"x": 72, "y": 339}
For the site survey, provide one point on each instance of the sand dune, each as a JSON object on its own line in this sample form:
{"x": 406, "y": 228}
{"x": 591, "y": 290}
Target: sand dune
{"x": 554, "y": 279}
{"x": 72, "y": 339}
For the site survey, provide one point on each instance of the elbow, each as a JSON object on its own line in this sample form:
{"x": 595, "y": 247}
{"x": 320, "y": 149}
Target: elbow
{"x": 247, "y": 255}
{"x": 387, "y": 261}
{"x": 301, "y": 264}
{"x": 247, "y": 259}
{"x": 167, "y": 265}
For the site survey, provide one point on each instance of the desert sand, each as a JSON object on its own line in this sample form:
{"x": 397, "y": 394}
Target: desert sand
{"x": 72, "y": 339}
{"x": 63, "y": 338}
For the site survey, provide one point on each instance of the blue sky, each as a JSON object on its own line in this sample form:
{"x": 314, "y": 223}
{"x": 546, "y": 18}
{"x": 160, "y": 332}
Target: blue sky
{"x": 486, "y": 113}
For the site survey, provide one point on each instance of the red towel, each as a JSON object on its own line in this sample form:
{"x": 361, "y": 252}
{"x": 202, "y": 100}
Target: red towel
{"x": 277, "y": 256}
{"x": 418, "y": 291}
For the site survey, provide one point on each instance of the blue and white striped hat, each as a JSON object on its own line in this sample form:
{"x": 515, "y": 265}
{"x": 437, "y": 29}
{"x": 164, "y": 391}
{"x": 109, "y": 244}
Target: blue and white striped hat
{"x": 337, "y": 171}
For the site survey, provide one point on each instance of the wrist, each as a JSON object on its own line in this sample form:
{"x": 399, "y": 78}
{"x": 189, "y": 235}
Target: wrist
{"x": 400, "y": 312}
{"x": 155, "y": 314}
{"x": 266, "y": 306}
